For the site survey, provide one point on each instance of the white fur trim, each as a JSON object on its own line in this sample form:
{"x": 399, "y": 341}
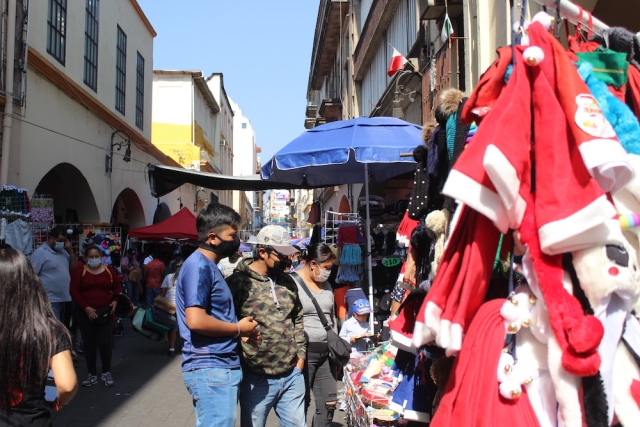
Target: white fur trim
{"x": 478, "y": 197}
{"x": 417, "y": 416}
{"x": 505, "y": 178}
{"x": 402, "y": 341}
{"x": 422, "y": 335}
{"x": 455, "y": 342}
{"x": 566, "y": 386}
{"x": 443, "y": 338}
{"x": 607, "y": 162}
{"x": 587, "y": 227}
{"x": 543, "y": 400}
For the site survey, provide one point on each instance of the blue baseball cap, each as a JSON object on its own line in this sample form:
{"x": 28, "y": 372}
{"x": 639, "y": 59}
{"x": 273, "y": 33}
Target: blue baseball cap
{"x": 362, "y": 306}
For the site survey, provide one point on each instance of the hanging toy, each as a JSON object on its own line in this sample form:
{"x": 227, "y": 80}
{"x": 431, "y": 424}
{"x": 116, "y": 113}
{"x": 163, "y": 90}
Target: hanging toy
{"x": 629, "y": 221}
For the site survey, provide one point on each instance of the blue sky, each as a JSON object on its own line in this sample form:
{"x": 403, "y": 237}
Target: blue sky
{"x": 262, "y": 47}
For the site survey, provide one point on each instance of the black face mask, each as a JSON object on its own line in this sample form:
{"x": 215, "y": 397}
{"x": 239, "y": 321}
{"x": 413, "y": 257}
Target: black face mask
{"x": 225, "y": 248}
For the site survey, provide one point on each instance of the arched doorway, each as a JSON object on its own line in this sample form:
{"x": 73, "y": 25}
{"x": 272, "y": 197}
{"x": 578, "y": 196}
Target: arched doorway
{"x": 344, "y": 205}
{"x": 128, "y": 211}
{"x": 162, "y": 213}
{"x": 73, "y": 199}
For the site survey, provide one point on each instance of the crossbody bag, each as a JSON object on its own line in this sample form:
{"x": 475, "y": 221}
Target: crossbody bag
{"x": 339, "y": 349}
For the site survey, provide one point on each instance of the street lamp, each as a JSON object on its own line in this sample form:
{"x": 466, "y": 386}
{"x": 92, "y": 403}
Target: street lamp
{"x": 118, "y": 145}
{"x": 400, "y": 93}
{"x": 195, "y": 204}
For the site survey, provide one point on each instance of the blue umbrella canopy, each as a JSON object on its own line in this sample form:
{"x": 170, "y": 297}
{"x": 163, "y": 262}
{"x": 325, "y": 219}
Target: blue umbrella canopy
{"x": 335, "y": 153}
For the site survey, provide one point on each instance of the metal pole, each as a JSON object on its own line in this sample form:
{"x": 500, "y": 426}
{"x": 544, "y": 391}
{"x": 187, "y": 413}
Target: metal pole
{"x": 368, "y": 237}
{"x": 8, "y": 90}
{"x": 571, "y": 13}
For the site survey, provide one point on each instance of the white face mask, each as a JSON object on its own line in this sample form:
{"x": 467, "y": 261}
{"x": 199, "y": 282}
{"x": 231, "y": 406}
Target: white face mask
{"x": 323, "y": 276}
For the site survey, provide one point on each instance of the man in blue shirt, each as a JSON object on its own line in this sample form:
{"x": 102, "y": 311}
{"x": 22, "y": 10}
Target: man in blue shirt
{"x": 208, "y": 322}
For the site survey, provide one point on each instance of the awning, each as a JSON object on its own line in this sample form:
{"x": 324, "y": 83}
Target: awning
{"x": 180, "y": 226}
{"x": 164, "y": 179}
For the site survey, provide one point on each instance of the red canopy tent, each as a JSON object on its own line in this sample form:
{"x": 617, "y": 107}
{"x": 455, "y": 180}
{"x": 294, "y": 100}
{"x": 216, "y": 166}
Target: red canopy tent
{"x": 180, "y": 226}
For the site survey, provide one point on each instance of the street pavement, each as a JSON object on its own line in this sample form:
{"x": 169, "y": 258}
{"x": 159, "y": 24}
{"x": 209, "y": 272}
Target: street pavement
{"x": 148, "y": 390}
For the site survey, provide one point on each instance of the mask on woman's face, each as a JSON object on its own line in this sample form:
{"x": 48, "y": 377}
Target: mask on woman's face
{"x": 94, "y": 262}
{"x": 323, "y": 276}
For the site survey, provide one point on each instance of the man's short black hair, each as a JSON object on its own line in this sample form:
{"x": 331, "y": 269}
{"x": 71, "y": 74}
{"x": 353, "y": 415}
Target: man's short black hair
{"x": 57, "y": 232}
{"x": 214, "y": 217}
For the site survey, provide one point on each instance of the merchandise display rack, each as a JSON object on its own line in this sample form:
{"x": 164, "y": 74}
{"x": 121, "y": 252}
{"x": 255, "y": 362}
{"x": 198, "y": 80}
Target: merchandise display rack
{"x": 332, "y": 223}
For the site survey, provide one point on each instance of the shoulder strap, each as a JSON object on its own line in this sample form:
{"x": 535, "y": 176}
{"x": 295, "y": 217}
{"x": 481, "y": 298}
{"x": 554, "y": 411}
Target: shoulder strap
{"x": 84, "y": 271}
{"x": 305, "y": 288}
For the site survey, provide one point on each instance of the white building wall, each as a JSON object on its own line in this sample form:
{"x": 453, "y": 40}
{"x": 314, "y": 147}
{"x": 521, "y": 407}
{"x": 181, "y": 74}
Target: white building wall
{"x": 223, "y": 153}
{"x": 172, "y": 98}
{"x": 112, "y": 13}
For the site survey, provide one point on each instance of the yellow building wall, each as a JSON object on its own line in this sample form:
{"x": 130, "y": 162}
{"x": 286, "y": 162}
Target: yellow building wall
{"x": 201, "y": 141}
{"x": 175, "y": 141}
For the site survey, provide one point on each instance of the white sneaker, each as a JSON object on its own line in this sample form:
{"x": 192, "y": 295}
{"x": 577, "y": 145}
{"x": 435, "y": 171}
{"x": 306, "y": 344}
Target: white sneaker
{"x": 91, "y": 380}
{"x": 107, "y": 379}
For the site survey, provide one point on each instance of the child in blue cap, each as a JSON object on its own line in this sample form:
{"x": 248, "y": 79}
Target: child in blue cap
{"x": 357, "y": 330}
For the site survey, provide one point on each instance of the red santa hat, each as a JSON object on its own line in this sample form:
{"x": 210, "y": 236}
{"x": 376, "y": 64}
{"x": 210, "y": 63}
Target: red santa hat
{"x": 594, "y": 136}
{"x": 461, "y": 284}
{"x": 472, "y": 396}
{"x": 488, "y": 89}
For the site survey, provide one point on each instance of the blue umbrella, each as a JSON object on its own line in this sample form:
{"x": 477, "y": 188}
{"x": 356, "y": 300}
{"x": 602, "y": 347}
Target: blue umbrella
{"x": 347, "y": 152}
{"x": 339, "y": 152}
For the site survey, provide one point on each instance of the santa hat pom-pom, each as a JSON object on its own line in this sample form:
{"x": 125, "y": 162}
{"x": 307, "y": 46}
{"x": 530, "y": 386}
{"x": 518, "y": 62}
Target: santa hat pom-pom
{"x": 510, "y": 389}
{"x": 505, "y": 367}
{"x": 524, "y": 41}
{"x": 533, "y": 56}
{"x": 544, "y": 18}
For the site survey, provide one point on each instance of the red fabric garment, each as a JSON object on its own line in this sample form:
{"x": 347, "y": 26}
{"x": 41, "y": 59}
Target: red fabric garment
{"x": 592, "y": 134}
{"x": 341, "y": 304}
{"x": 492, "y": 173}
{"x": 471, "y": 397}
{"x": 488, "y": 89}
{"x": 461, "y": 283}
{"x": 154, "y": 273}
{"x": 94, "y": 290}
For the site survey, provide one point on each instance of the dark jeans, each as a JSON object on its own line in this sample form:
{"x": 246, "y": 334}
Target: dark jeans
{"x": 133, "y": 292}
{"x": 320, "y": 376}
{"x": 96, "y": 336}
{"x": 152, "y": 293}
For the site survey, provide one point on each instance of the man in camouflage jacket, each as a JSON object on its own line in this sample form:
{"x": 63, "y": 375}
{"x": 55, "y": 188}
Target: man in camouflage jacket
{"x": 272, "y": 366}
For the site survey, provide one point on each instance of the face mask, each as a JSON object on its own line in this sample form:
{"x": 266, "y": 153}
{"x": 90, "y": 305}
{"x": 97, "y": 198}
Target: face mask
{"x": 94, "y": 262}
{"x": 323, "y": 276}
{"x": 225, "y": 248}
{"x": 59, "y": 246}
{"x": 295, "y": 263}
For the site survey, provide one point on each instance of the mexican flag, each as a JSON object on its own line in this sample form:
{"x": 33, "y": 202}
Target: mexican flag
{"x": 447, "y": 28}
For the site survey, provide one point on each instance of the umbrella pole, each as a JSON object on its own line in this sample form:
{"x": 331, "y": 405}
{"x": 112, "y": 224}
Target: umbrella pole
{"x": 368, "y": 238}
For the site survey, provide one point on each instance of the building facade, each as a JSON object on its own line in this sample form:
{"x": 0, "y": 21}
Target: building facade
{"x": 223, "y": 147}
{"x": 81, "y": 131}
{"x": 184, "y": 118}
{"x": 245, "y": 162}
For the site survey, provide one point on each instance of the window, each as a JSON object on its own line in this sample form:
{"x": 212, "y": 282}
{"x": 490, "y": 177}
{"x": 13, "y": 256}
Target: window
{"x": 121, "y": 70}
{"x": 57, "y": 29}
{"x": 244, "y": 125}
{"x": 140, "y": 91}
{"x": 91, "y": 44}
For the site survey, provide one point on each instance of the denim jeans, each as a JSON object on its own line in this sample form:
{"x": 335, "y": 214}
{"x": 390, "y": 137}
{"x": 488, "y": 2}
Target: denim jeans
{"x": 285, "y": 393}
{"x": 321, "y": 377}
{"x": 152, "y": 293}
{"x": 133, "y": 292}
{"x": 58, "y": 310}
{"x": 215, "y": 395}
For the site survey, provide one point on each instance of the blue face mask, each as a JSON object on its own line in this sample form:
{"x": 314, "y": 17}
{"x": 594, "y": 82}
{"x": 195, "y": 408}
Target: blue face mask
{"x": 94, "y": 262}
{"x": 59, "y": 246}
